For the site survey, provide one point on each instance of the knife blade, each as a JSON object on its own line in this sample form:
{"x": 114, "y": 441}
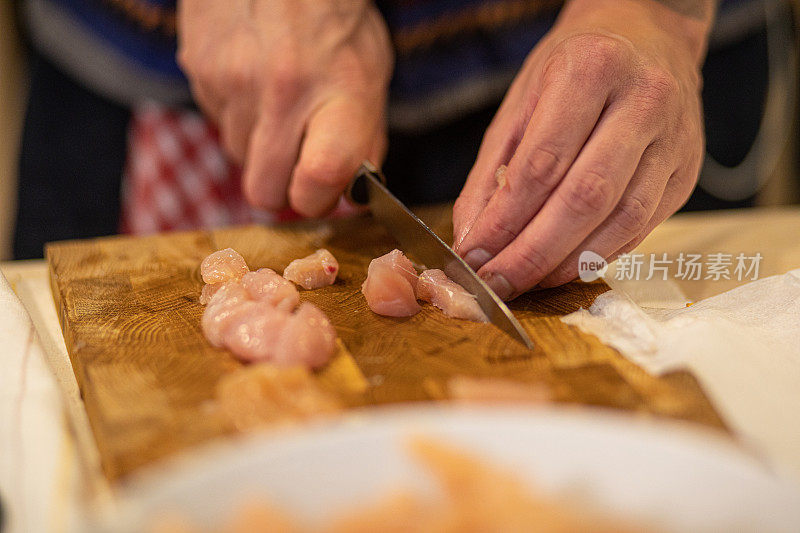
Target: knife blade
{"x": 414, "y": 236}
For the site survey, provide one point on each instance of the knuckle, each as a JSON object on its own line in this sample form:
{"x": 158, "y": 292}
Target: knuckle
{"x": 234, "y": 145}
{"x": 301, "y": 205}
{"x": 287, "y": 79}
{"x": 256, "y": 196}
{"x": 591, "y": 56}
{"x": 658, "y": 86}
{"x": 605, "y": 52}
{"x": 556, "y": 65}
{"x": 239, "y": 76}
{"x": 633, "y": 215}
{"x": 533, "y": 263}
{"x": 541, "y": 166}
{"x": 325, "y": 170}
{"x": 590, "y": 193}
{"x": 501, "y": 230}
{"x": 562, "y": 274}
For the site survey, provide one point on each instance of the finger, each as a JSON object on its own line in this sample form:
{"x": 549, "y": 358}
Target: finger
{"x": 339, "y": 136}
{"x": 236, "y": 125}
{"x": 564, "y": 118}
{"x": 207, "y": 102}
{"x": 677, "y": 192}
{"x": 583, "y": 199}
{"x": 380, "y": 145}
{"x": 628, "y": 219}
{"x": 498, "y": 145}
{"x": 271, "y": 155}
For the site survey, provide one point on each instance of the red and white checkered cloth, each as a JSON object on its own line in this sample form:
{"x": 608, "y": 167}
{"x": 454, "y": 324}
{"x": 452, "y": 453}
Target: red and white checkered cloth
{"x": 178, "y": 178}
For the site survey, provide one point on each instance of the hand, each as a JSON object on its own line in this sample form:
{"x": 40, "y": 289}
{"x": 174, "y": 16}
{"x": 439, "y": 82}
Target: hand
{"x": 297, "y": 87}
{"x": 602, "y": 136}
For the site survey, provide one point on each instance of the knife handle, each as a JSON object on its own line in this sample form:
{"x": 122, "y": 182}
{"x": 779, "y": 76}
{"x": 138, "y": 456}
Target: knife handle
{"x": 357, "y": 192}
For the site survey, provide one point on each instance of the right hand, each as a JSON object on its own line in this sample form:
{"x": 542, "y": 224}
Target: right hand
{"x": 297, "y": 87}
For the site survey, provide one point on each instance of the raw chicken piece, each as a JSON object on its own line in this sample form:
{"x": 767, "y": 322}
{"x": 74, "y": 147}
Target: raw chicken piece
{"x": 265, "y": 285}
{"x": 227, "y": 294}
{"x": 435, "y": 287}
{"x": 264, "y": 394}
{"x": 223, "y": 265}
{"x": 258, "y": 331}
{"x": 209, "y": 289}
{"x": 251, "y": 313}
{"x": 252, "y": 330}
{"x": 500, "y": 176}
{"x": 308, "y": 338}
{"x": 314, "y": 271}
{"x": 390, "y": 285}
{"x": 227, "y": 297}
{"x": 497, "y": 390}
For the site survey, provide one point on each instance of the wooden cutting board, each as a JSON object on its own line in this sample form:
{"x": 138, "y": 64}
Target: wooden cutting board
{"x": 131, "y": 320}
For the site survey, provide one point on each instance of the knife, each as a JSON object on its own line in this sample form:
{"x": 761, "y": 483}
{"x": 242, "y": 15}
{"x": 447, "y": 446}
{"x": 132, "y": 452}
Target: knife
{"x": 369, "y": 188}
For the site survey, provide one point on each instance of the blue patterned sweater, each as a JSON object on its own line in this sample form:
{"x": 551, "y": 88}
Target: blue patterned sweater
{"x": 452, "y": 55}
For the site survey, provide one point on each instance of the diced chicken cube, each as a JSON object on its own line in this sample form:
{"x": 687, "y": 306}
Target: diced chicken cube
{"x": 390, "y": 285}
{"x": 265, "y": 285}
{"x": 307, "y": 339}
{"x": 314, "y": 271}
{"x": 435, "y": 287}
{"x": 223, "y": 265}
{"x": 209, "y": 289}
{"x": 252, "y": 329}
{"x": 256, "y": 315}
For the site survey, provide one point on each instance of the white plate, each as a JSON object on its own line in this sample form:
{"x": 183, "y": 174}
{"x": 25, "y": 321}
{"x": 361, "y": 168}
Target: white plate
{"x": 669, "y": 474}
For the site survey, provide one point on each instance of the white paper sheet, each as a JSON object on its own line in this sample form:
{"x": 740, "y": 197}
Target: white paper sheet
{"x": 743, "y": 346}
{"x": 31, "y": 421}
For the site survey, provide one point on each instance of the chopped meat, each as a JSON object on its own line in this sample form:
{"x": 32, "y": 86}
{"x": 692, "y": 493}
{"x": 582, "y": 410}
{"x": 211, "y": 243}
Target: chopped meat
{"x": 497, "y": 390}
{"x": 257, "y": 331}
{"x": 209, "y": 289}
{"x": 222, "y": 266}
{"x": 500, "y": 176}
{"x": 314, "y": 271}
{"x": 265, "y": 285}
{"x": 251, "y": 330}
{"x": 229, "y": 293}
{"x": 263, "y": 394}
{"x": 227, "y": 297}
{"x": 390, "y": 285}
{"x": 435, "y": 287}
{"x": 308, "y": 338}
{"x": 254, "y": 316}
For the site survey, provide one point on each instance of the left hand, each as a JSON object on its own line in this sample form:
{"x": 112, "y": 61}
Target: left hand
{"x": 298, "y": 89}
{"x": 602, "y": 134}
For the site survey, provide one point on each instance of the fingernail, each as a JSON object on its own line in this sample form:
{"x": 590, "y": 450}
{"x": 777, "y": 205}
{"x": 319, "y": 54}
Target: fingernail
{"x": 477, "y": 258}
{"x": 498, "y": 284}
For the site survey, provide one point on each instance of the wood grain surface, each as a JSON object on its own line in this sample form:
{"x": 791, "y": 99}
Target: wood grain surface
{"x": 131, "y": 320}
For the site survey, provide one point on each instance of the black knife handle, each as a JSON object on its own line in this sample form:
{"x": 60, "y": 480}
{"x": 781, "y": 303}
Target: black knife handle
{"x": 357, "y": 191}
